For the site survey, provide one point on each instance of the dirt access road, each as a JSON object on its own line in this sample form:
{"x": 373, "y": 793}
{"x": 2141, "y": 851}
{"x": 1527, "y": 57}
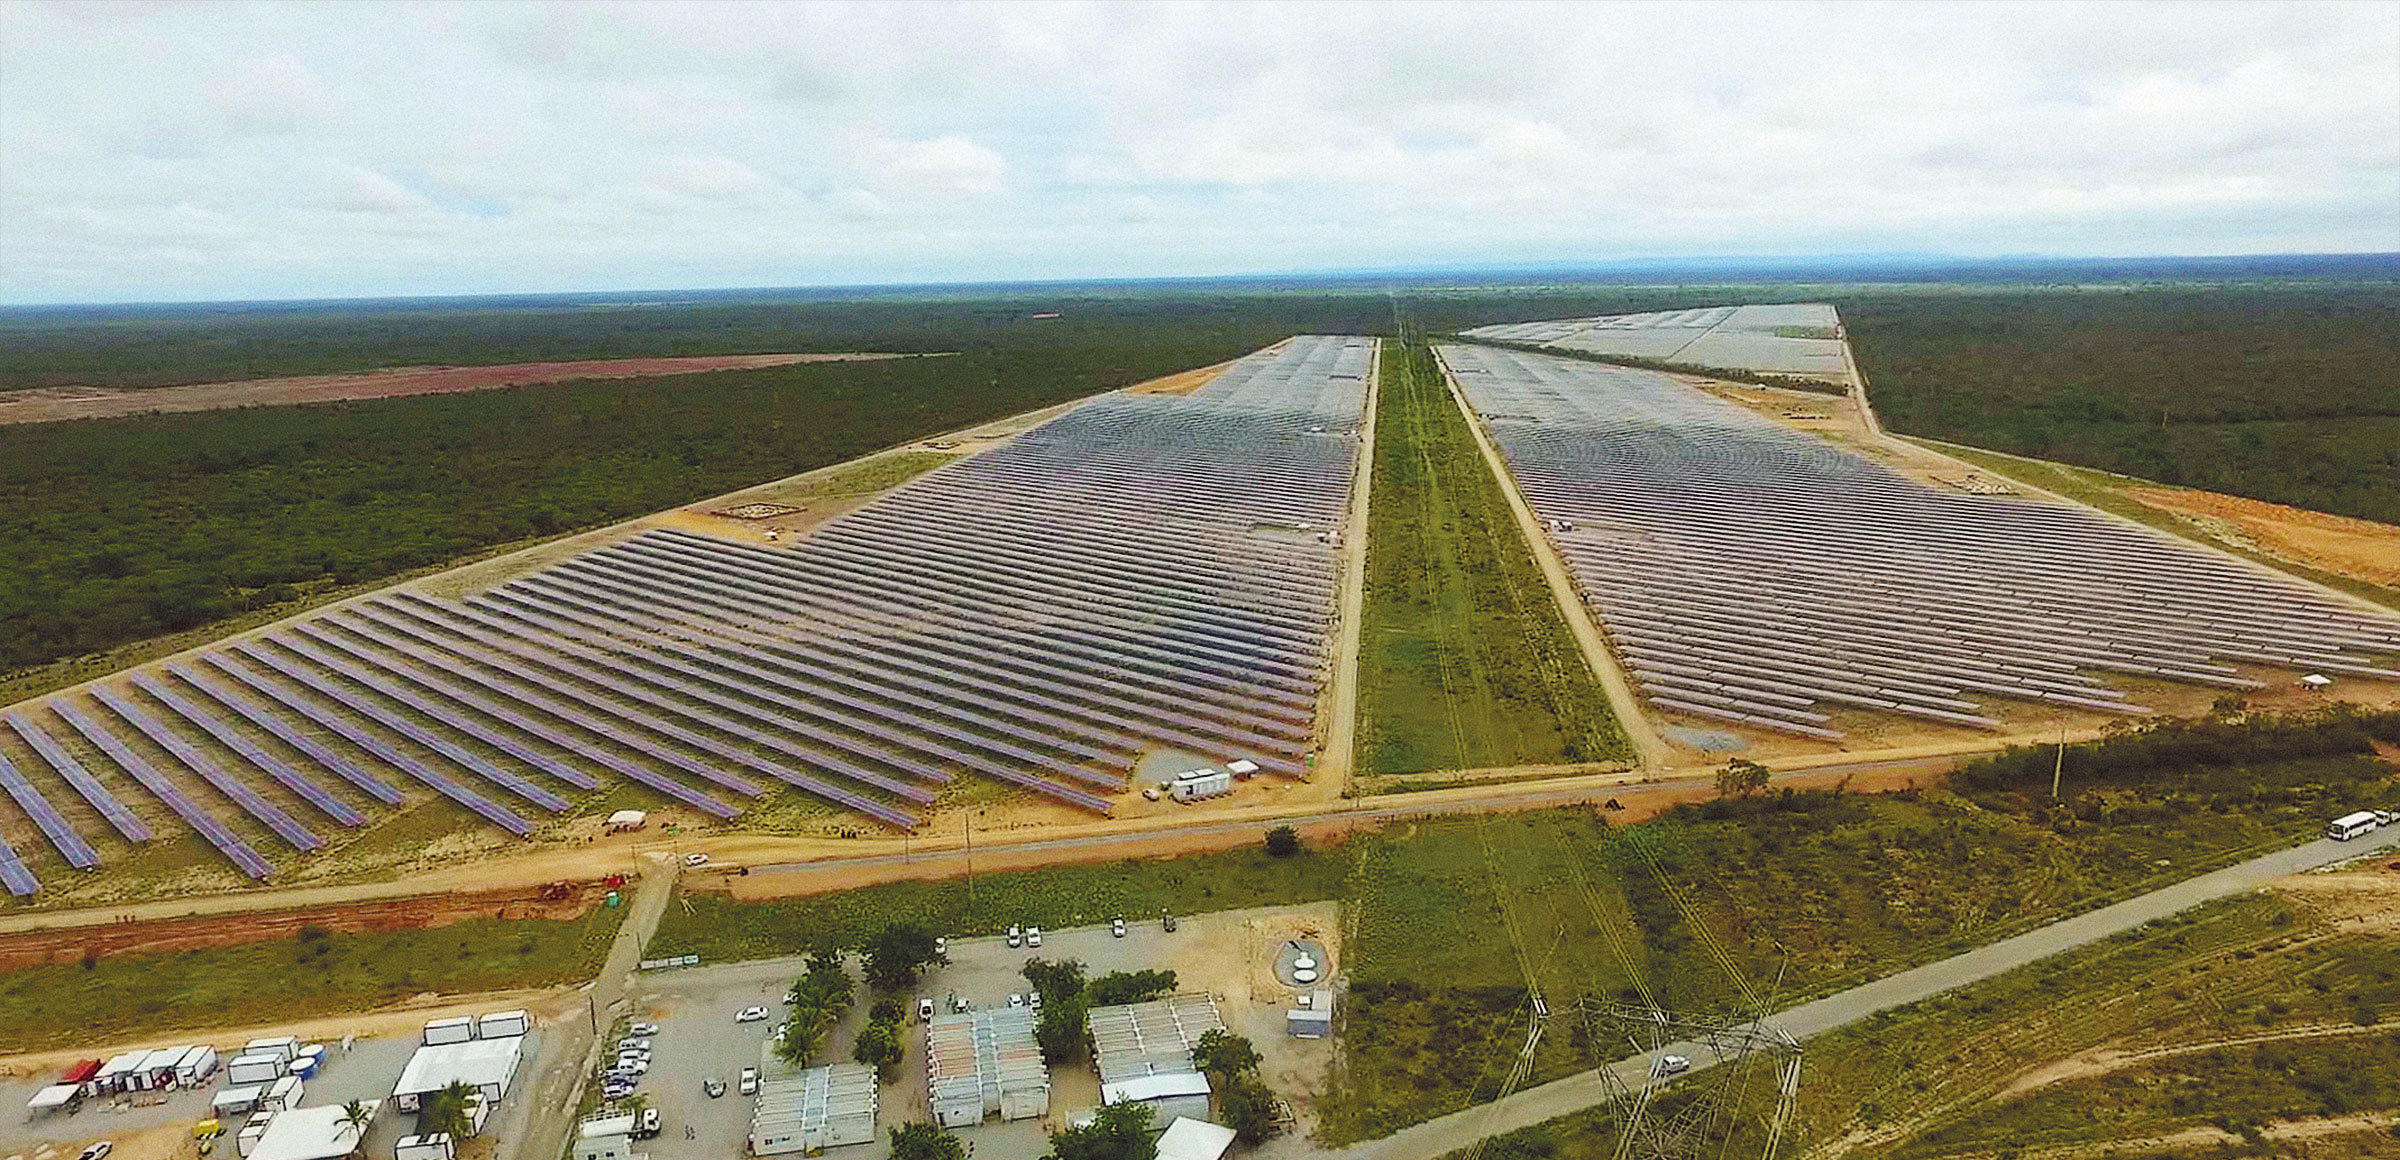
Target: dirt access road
{"x": 52, "y": 404}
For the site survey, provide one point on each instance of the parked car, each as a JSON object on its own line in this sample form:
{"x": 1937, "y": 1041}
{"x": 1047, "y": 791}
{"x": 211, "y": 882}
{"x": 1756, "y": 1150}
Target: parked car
{"x": 1016, "y": 936}
{"x": 749, "y": 1081}
{"x": 96, "y": 1151}
{"x": 1033, "y": 999}
{"x": 941, "y": 948}
{"x": 1150, "y": 793}
{"x": 751, "y": 1015}
{"x": 642, "y": 1030}
{"x": 1116, "y": 926}
{"x": 924, "y": 1008}
{"x": 712, "y": 1087}
{"x": 1015, "y": 999}
{"x": 633, "y": 1043}
{"x": 633, "y": 1067}
{"x": 1033, "y": 936}
{"x": 695, "y": 859}
{"x": 1671, "y": 1065}
{"x": 1168, "y": 921}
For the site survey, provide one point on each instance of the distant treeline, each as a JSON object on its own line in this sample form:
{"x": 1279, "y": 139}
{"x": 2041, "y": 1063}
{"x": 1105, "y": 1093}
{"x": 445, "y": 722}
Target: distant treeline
{"x": 2288, "y": 393}
{"x": 2169, "y": 750}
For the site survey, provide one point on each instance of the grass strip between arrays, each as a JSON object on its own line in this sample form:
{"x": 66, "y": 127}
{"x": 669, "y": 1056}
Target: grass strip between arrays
{"x": 1464, "y": 659}
{"x": 319, "y": 973}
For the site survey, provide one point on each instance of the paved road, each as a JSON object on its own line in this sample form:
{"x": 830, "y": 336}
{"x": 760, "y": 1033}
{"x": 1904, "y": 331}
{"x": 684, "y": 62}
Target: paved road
{"x": 557, "y": 1085}
{"x": 1582, "y": 1090}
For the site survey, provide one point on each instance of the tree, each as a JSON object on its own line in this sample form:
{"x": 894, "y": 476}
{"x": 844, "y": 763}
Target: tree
{"x": 879, "y": 1047}
{"x": 1057, "y": 981}
{"x": 451, "y": 1111}
{"x": 1741, "y": 777}
{"x": 1283, "y": 841}
{"x": 1119, "y": 987}
{"x": 1060, "y": 1031}
{"x": 1221, "y": 1052}
{"x": 818, "y": 1001}
{"x": 356, "y": 1115}
{"x": 1117, "y": 1132}
{"x": 1246, "y": 1105}
{"x": 897, "y": 957}
{"x": 922, "y": 1141}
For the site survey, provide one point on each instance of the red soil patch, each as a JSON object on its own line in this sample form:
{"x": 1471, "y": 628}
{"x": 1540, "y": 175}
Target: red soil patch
{"x": 50, "y": 404}
{"x": 2359, "y": 549}
{"x": 33, "y": 948}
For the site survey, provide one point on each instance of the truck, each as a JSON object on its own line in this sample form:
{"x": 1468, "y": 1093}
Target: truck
{"x": 441, "y": 1031}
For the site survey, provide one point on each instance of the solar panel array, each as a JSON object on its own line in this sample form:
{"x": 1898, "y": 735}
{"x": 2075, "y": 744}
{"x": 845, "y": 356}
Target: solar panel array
{"x": 1749, "y": 572}
{"x": 1793, "y": 338}
{"x": 1145, "y": 571}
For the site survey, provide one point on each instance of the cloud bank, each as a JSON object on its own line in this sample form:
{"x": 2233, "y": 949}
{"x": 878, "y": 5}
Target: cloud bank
{"x": 155, "y": 152}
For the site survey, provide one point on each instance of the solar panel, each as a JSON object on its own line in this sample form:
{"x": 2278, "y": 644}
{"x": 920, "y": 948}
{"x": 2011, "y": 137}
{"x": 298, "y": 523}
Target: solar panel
{"x": 272, "y": 766}
{"x": 264, "y": 718}
{"x": 54, "y": 825}
{"x": 225, "y": 840}
{"x": 300, "y": 837}
{"x": 13, "y": 874}
{"x": 134, "y": 829}
{"x": 305, "y": 705}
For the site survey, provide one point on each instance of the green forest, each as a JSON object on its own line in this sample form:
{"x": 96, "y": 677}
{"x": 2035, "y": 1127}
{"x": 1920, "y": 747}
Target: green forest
{"x": 2289, "y": 393}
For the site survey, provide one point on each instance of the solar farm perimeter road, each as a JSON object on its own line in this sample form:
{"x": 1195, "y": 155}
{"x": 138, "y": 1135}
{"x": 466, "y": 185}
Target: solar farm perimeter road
{"x": 1584, "y": 1089}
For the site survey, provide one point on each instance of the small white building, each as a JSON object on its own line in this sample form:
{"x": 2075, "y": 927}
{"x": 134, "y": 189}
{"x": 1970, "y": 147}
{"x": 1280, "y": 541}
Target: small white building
{"x": 1183, "y": 1093}
{"x": 1190, "y": 1139}
{"x": 1200, "y": 784}
{"x": 487, "y": 1065}
{"x": 605, "y": 1138}
{"x": 1313, "y": 1018}
{"x": 822, "y": 1107}
{"x": 196, "y": 1066}
{"x": 438, "y": 1146}
{"x": 318, "y": 1133}
{"x": 441, "y": 1031}
{"x": 254, "y": 1069}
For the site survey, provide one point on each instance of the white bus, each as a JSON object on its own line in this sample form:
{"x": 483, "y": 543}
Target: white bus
{"x": 2349, "y": 826}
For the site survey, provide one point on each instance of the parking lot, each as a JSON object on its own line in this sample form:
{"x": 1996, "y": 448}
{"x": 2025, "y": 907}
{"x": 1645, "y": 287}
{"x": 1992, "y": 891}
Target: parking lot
{"x": 1230, "y": 955}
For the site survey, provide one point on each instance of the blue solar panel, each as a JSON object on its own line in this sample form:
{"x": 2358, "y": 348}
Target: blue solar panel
{"x": 518, "y": 720}
{"x": 407, "y": 728}
{"x": 71, "y": 845}
{"x": 272, "y": 766}
{"x": 134, "y": 829}
{"x": 261, "y": 716}
{"x": 13, "y": 874}
{"x": 308, "y": 707}
{"x": 226, "y": 841}
{"x": 300, "y": 837}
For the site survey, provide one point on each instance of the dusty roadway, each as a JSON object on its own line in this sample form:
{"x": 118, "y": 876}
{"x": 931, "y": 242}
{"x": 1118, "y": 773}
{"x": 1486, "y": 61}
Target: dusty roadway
{"x": 1585, "y": 1089}
{"x": 574, "y": 1053}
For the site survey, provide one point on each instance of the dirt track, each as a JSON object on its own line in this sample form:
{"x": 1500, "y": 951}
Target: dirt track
{"x": 51, "y": 404}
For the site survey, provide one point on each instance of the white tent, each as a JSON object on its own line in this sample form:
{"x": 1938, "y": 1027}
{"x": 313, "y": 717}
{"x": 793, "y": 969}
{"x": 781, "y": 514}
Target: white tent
{"x": 1190, "y": 1139}
{"x": 57, "y": 1095}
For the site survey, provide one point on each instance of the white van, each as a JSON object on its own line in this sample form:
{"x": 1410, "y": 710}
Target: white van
{"x": 2349, "y": 826}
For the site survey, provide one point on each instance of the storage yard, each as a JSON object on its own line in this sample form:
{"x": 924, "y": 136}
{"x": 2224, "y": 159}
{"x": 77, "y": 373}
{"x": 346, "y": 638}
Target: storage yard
{"x": 1143, "y": 573}
{"x": 1750, "y": 573}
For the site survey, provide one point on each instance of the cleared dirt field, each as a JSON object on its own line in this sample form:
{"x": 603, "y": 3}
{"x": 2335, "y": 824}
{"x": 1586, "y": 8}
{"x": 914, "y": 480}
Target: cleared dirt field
{"x": 2362, "y": 549}
{"x": 51, "y": 404}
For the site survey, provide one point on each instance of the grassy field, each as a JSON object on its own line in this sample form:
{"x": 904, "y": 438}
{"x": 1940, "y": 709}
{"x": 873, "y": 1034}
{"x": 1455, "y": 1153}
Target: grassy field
{"x": 316, "y": 974}
{"x": 719, "y": 929}
{"x": 1464, "y": 660}
{"x": 2236, "y": 1015}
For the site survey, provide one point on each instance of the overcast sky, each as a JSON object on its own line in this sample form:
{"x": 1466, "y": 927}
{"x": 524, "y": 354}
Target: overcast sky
{"x": 162, "y": 151}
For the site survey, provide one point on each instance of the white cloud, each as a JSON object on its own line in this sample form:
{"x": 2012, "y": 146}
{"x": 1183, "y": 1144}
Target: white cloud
{"x": 246, "y": 150}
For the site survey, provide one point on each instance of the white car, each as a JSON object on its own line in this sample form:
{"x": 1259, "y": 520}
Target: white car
{"x": 1671, "y": 1065}
{"x": 776, "y": 1032}
{"x": 925, "y": 1009}
{"x": 633, "y": 1067}
{"x": 1033, "y": 936}
{"x": 749, "y": 1085}
{"x": 1016, "y": 936}
{"x": 695, "y": 859}
{"x": 941, "y": 949}
{"x": 1116, "y": 926}
{"x": 642, "y": 1030}
{"x": 1015, "y": 999}
{"x": 751, "y": 1015}
{"x": 97, "y": 1151}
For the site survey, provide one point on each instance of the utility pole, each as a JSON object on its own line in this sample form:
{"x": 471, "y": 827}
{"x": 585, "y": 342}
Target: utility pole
{"x": 970, "y": 861}
{"x": 2058, "y": 770}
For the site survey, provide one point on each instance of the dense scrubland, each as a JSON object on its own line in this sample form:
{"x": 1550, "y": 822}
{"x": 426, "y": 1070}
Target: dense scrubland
{"x": 121, "y": 530}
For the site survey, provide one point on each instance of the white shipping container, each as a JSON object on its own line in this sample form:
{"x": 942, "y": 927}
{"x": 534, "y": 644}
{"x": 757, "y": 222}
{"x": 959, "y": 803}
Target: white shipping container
{"x": 434, "y": 1147}
{"x": 1200, "y": 784}
{"x": 502, "y": 1024}
{"x": 196, "y": 1066}
{"x": 238, "y": 1101}
{"x": 442, "y": 1031}
{"x": 283, "y": 1095}
{"x": 282, "y": 1047}
{"x": 254, "y": 1069}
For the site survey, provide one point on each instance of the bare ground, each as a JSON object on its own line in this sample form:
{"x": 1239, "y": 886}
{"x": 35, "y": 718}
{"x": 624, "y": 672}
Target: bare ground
{"x": 2360, "y": 549}
{"x": 51, "y": 404}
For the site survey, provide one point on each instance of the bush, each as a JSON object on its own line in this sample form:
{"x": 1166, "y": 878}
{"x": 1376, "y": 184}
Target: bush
{"x": 1283, "y": 841}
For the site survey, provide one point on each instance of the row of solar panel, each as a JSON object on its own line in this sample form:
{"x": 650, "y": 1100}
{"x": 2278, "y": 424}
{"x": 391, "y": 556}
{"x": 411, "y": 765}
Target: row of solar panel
{"x": 1120, "y": 579}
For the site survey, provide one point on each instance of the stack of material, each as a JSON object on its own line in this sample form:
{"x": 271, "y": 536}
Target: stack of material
{"x": 982, "y": 1063}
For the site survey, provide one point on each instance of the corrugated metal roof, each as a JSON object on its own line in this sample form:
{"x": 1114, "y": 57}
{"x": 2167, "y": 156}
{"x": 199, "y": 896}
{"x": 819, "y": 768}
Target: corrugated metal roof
{"x": 1153, "y": 1038}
